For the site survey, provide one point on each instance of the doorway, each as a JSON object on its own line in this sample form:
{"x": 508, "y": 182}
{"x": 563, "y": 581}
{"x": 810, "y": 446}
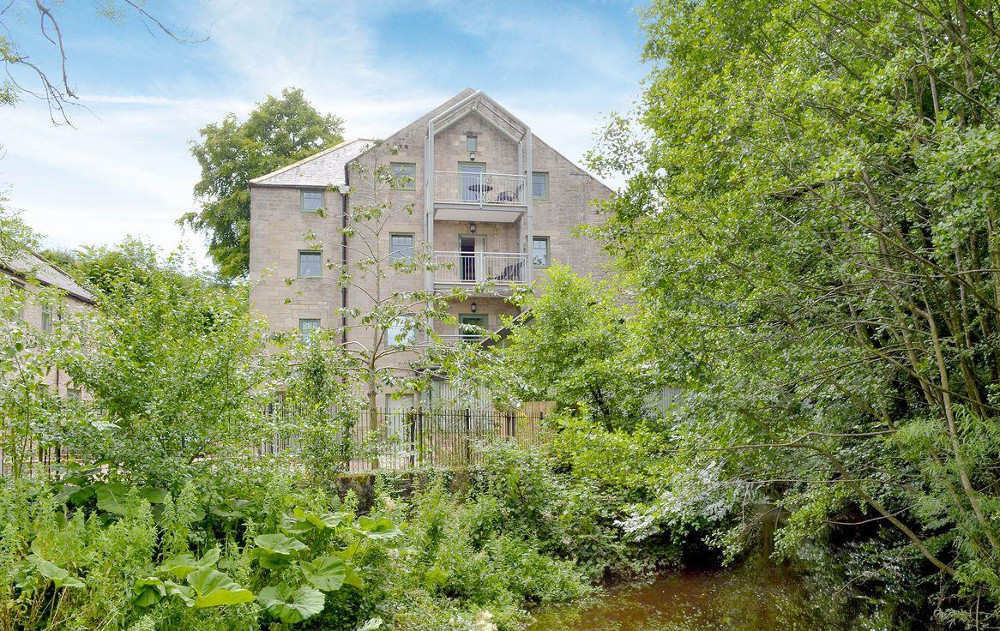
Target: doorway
{"x": 472, "y": 250}
{"x": 471, "y": 186}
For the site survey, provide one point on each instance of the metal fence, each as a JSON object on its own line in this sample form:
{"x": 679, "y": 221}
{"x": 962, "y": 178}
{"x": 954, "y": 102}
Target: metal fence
{"x": 35, "y": 460}
{"x": 478, "y": 267}
{"x": 479, "y": 187}
{"x": 406, "y": 439}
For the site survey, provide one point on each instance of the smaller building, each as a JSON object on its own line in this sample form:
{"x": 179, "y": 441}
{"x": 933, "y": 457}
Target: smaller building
{"x": 33, "y": 274}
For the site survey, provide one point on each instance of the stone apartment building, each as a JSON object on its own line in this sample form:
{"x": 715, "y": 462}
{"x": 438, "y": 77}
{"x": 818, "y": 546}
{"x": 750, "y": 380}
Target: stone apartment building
{"x": 492, "y": 203}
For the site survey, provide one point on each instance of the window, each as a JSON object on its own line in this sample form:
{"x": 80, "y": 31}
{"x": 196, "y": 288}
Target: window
{"x": 312, "y": 201}
{"x": 46, "y": 319}
{"x": 307, "y": 326}
{"x": 469, "y": 326}
{"x": 540, "y": 252}
{"x": 310, "y": 264}
{"x": 401, "y": 333}
{"x": 404, "y": 175}
{"x": 471, "y": 142}
{"x": 539, "y": 185}
{"x": 73, "y": 394}
{"x": 400, "y": 248}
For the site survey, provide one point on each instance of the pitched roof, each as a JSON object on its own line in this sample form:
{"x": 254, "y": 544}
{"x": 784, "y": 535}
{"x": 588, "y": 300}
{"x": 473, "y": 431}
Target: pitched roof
{"x": 325, "y": 168}
{"x": 29, "y": 264}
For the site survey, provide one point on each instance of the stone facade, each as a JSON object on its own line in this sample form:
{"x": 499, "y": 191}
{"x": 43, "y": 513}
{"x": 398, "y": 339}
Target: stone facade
{"x": 504, "y": 150}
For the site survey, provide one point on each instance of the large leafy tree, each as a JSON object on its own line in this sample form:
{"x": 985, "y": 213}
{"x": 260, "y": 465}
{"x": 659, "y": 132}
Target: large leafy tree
{"x": 815, "y": 216}
{"x": 278, "y": 131}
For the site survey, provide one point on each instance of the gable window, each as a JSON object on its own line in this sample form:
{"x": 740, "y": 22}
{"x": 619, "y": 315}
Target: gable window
{"x": 401, "y": 333}
{"x": 471, "y": 142}
{"x": 307, "y": 326}
{"x": 400, "y": 248}
{"x": 46, "y": 319}
{"x": 539, "y": 185}
{"x": 310, "y": 264}
{"x": 404, "y": 175}
{"x": 312, "y": 201}
{"x": 540, "y": 252}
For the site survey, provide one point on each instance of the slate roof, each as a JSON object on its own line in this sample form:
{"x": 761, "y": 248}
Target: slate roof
{"x": 30, "y": 264}
{"x": 325, "y": 168}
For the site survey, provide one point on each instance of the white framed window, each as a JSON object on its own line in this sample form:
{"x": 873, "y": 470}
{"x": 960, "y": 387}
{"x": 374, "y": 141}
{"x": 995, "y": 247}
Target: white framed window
{"x": 311, "y": 200}
{"x": 310, "y": 264}
{"x": 404, "y": 175}
{"x": 540, "y": 252}
{"x": 539, "y": 185}
{"x": 401, "y": 247}
{"x": 401, "y": 333}
{"x": 471, "y": 142}
{"x": 307, "y": 326}
{"x": 46, "y": 319}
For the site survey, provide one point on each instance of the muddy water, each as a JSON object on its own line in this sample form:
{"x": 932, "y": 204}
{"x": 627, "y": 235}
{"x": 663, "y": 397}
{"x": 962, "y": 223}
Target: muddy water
{"x": 748, "y": 599}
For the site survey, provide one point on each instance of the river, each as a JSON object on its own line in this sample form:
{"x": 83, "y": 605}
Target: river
{"x": 751, "y": 598}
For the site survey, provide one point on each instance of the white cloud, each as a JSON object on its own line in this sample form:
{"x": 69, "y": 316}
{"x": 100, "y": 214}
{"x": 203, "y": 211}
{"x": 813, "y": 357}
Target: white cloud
{"x": 126, "y": 168}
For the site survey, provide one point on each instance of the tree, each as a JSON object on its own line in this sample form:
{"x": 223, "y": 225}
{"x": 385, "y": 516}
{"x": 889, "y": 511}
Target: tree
{"x": 815, "y": 220}
{"x": 583, "y": 343}
{"x": 173, "y": 360}
{"x": 278, "y": 132}
{"x": 25, "y": 75}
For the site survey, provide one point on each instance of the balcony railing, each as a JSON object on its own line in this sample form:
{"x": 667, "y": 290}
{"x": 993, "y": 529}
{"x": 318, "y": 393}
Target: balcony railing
{"x": 477, "y": 187}
{"x": 479, "y": 267}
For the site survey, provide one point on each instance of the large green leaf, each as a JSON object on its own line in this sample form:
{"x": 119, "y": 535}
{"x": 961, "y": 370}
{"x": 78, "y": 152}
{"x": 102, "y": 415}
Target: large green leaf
{"x": 380, "y": 528}
{"x": 185, "y": 593}
{"x": 181, "y": 565}
{"x": 279, "y": 544}
{"x": 148, "y": 591}
{"x": 60, "y": 577}
{"x": 111, "y": 498}
{"x": 291, "y": 605}
{"x": 275, "y": 551}
{"x": 326, "y": 573}
{"x": 213, "y": 588}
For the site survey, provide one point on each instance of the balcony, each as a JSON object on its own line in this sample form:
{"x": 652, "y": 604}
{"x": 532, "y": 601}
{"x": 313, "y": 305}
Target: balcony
{"x": 472, "y": 195}
{"x": 474, "y": 268}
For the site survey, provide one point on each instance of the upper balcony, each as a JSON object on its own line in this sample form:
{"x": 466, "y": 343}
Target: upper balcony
{"x": 475, "y": 195}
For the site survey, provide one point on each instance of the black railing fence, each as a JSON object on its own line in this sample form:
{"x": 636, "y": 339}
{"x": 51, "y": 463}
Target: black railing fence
{"x": 403, "y": 439}
{"x": 356, "y": 442}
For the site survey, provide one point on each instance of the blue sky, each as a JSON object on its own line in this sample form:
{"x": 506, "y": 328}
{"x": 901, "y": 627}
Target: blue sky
{"x": 125, "y": 167}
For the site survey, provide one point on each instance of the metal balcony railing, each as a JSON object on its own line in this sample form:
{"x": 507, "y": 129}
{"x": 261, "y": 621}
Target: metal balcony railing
{"x": 478, "y": 187}
{"x": 478, "y": 267}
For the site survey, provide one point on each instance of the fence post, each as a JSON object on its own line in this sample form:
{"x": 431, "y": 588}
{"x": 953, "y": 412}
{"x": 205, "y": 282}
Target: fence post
{"x": 411, "y": 417}
{"x": 468, "y": 436}
{"x": 420, "y": 435}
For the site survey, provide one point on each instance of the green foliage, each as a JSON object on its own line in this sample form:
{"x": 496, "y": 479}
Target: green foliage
{"x": 173, "y": 361}
{"x": 584, "y": 345}
{"x": 813, "y": 218}
{"x": 278, "y": 132}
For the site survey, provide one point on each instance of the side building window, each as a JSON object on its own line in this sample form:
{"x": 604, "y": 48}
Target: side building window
{"x": 311, "y": 201}
{"x": 539, "y": 185}
{"x": 404, "y": 175}
{"x": 540, "y": 252}
{"x": 307, "y": 326}
{"x": 310, "y": 264}
{"x": 400, "y": 247}
{"x": 46, "y": 319}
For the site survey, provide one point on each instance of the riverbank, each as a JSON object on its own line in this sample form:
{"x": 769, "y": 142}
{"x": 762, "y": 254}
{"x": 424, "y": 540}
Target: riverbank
{"x": 753, "y": 597}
